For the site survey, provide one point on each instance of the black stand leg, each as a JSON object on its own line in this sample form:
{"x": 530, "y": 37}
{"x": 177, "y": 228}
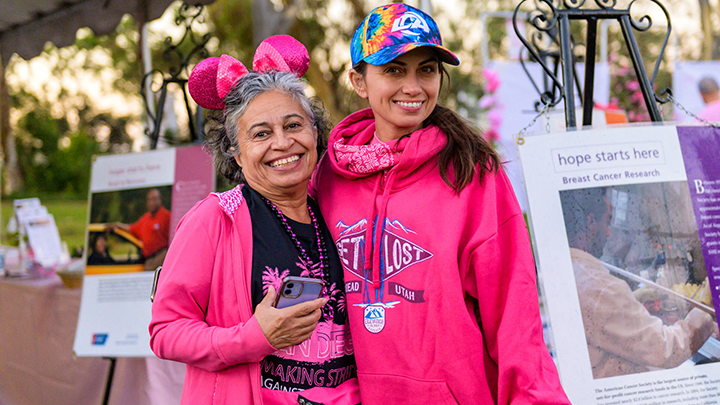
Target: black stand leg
{"x": 554, "y": 22}
{"x": 108, "y": 383}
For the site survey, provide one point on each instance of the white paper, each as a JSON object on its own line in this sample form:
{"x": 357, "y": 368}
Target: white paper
{"x": 44, "y": 240}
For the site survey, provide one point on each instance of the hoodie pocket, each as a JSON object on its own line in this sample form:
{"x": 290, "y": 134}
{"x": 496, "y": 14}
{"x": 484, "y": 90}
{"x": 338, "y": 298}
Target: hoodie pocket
{"x": 397, "y": 389}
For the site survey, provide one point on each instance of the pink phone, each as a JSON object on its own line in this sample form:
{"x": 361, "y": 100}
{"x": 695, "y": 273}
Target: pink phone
{"x": 296, "y": 290}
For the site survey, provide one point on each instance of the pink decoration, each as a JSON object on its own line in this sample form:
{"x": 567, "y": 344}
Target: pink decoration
{"x": 202, "y": 84}
{"x": 283, "y": 53}
{"x": 494, "y": 118}
{"x": 229, "y": 71}
{"x": 492, "y": 135}
{"x": 637, "y": 97}
{"x": 486, "y": 101}
{"x": 213, "y": 78}
{"x": 490, "y": 106}
{"x": 632, "y": 85}
{"x": 492, "y": 80}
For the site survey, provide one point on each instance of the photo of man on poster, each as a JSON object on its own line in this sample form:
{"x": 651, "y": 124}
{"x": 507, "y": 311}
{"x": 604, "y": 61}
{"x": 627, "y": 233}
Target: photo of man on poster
{"x": 623, "y": 336}
{"x": 153, "y": 229}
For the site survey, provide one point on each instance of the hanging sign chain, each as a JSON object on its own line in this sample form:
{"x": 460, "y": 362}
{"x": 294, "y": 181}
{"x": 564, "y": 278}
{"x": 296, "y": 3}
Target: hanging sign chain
{"x": 543, "y": 112}
{"x": 714, "y": 124}
{"x": 547, "y": 118}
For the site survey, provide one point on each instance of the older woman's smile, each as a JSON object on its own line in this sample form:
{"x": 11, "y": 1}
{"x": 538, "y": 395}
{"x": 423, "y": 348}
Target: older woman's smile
{"x": 284, "y": 161}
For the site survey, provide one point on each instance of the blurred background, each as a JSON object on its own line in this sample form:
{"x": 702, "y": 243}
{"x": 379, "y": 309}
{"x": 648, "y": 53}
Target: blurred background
{"x": 66, "y": 104}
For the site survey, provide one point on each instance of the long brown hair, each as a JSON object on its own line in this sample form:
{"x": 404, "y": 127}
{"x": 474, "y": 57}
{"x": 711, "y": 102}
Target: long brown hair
{"x": 465, "y": 146}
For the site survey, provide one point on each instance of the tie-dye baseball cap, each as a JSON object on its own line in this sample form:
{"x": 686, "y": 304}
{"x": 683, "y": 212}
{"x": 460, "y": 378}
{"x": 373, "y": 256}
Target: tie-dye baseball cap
{"x": 395, "y": 29}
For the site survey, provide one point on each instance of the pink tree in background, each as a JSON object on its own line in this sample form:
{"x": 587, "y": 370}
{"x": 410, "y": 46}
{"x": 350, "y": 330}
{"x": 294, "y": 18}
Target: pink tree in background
{"x": 490, "y": 107}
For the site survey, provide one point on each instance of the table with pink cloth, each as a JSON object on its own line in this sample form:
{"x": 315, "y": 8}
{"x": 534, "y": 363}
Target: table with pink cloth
{"x": 37, "y": 329}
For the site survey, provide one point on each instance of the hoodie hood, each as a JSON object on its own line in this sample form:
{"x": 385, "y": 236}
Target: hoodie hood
{"x": 410, "y": 152}
{"x": 391, "y": 165}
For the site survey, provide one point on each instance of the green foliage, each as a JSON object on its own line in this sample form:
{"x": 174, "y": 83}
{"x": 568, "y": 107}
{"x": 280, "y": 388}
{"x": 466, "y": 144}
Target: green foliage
{"x": 624, "y": 87}
{"x": 57, "y": 137}
{"x": 232, "y": 25}
{"x": 59, "y": 129}
{"x": 52, "y": 158}
{"x": 121, "y": 48}
{"x": 326, "y": 36}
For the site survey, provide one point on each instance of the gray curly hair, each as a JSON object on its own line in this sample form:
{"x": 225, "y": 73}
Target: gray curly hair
{"x": 221, "y": 128}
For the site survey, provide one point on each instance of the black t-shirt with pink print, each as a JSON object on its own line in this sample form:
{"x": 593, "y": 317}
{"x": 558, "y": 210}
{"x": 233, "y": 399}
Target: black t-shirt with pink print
{"x": 326, "y": 359}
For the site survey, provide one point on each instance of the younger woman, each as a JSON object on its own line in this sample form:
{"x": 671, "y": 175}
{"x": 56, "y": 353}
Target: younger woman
{"x": 439, "y": 272}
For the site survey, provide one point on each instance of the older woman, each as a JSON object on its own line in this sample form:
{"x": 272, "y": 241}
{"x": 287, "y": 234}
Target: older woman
{"x": 213, "y": 306}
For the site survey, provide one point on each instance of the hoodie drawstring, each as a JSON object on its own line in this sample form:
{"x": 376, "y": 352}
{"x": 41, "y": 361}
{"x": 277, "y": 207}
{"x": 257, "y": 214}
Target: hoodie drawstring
{"x": 369, "y": 235}
{"x": 373, "y": 247}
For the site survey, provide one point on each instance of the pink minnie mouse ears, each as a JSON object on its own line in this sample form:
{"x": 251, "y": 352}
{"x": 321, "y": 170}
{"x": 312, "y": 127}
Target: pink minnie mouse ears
{"x": 214, "y": 77}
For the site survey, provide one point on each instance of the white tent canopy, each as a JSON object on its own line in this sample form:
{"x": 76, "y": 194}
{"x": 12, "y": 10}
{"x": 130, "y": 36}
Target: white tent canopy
{"x": 26, "y": 25}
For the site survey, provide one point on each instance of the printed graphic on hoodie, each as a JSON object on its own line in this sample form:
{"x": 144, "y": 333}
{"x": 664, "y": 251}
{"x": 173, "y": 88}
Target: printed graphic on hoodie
{"x": 398, "y": 252}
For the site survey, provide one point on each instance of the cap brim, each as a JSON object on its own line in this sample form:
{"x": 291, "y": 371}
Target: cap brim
{"x": 389, "y": 53}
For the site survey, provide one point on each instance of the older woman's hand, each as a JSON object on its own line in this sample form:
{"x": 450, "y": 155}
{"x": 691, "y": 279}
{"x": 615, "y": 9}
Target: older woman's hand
{"x": 288, "y": 326}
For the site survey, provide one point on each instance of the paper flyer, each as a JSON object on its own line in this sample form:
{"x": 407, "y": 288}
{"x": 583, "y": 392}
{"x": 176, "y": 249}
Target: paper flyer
{"x": 626, "y": 226}
{"x": 136, "y": 201}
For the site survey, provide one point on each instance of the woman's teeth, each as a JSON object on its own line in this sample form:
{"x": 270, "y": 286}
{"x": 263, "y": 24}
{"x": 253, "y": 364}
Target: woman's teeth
{"x": 285, "y": 162}
{"x": 409, "y": 105}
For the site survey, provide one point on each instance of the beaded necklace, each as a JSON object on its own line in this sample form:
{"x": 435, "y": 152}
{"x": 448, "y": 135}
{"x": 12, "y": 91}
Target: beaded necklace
{"x": 322, "y": 250}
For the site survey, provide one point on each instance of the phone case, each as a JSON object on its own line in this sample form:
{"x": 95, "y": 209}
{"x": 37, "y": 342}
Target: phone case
{"x": 296, "y": 290}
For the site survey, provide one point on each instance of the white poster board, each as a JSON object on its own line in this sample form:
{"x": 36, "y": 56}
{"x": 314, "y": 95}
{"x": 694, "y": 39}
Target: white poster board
{"x": 616, "y": 214}
{"x": 115, "y": 307}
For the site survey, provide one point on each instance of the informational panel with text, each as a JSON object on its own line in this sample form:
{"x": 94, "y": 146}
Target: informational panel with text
{"x": 136, "y": 201}
{"x": 626, "y": 230}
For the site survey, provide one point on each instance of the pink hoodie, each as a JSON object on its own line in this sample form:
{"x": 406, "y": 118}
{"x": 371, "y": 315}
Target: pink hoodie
{"x": 443, "y": 303}
{"x": 202, "y": 313}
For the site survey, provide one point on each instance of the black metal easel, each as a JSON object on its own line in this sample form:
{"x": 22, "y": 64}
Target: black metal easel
{"x": 186, "y": 16}
{"x": 552, "y": 23}
{"x": 108, "y": 382}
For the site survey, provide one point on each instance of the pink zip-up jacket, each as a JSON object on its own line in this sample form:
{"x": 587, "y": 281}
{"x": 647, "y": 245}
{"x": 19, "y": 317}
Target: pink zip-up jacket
{"x": 202, "y": 313}
{"x": 442, "y": 302}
